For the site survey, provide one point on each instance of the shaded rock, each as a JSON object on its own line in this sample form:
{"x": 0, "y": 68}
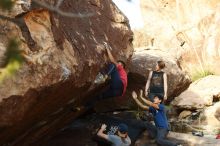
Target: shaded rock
{"x": 145, "y": 60}
{"x": 184, "y": 114}
{"x": 216, "y": 98}
{"x": 112, "y": 104}
{"x": 83, "y": 131}
{"x": 62, "y": 58}
{"x": 199, "y": 94}
{"x": 144, "y": 140}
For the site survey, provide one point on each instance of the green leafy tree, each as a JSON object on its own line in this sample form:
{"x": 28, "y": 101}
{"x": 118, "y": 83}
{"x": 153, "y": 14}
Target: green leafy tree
{"x": 6, "y": 4}
{"x": 13, "y": 58}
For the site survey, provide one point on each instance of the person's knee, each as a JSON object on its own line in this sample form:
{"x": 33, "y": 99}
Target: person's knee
{"x": 112, "y": 65}
{"x": 147, "y": 124}
{"x": 111, "y": 68}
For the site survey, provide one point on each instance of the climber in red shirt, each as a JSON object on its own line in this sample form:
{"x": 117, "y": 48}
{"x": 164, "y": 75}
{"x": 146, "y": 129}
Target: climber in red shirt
{"x": 118, "y": 80}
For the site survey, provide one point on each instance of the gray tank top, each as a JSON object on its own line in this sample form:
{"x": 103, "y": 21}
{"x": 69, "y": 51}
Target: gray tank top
{"x": 157, "y": 82}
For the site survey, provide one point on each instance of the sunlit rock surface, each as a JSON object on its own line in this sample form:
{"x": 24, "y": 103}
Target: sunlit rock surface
{"x": 187, "y": 28}
{"x": 62, "y": 58}
{"x": 199, "y": 94}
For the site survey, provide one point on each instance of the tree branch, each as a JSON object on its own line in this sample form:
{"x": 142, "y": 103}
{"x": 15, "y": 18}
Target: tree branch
{"x": 49, "y": 7}
{"x": 60, "y": 12}
{"x": 59, "y": 3}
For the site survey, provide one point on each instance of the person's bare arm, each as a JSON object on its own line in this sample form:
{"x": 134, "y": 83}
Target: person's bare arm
{"x": 112, "y": 59}
{"x": 149, "y": 103}
{"x": 148, "y": 83}
{"x": 134, "y": 96}
{"x": 165, "y": 86}
{"x": 101, "y": 132}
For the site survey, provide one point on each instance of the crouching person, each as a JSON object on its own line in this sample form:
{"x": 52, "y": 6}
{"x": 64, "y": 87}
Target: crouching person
{"x": 121, "y": 139}
{"x": 161, "y": 128}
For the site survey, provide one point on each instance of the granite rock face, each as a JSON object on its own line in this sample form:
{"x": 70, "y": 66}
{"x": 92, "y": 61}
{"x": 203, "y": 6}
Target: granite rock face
{"x": 62, "y": 58}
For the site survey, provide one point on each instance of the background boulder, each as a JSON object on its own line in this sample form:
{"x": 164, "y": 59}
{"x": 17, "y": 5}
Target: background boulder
{"x": 145, "y": 60}
{"x": 199, "y": 94}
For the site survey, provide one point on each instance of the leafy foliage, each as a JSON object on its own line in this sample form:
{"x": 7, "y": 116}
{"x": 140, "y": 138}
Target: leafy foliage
{"x": 6, "y": 4}
{"x": 198, "y": 74}
{"x": 13, "y": 59}
{"x": 13, "y": 53}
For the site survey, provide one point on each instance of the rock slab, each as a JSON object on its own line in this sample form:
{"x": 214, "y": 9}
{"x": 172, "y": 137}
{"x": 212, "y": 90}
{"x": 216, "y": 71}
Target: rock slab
{"x": 62, "y": 58}
{"x": 199, "y": 94}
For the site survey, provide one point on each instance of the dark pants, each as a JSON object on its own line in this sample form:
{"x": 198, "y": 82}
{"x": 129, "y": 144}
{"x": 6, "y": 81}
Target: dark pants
{"x": 159, "y": 134}
{"x": 116, "y": 85}
{"x": 115, "y": 89}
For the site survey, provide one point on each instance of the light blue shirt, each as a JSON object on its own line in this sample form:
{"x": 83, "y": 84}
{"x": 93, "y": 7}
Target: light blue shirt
{"x": 117, "y": 141}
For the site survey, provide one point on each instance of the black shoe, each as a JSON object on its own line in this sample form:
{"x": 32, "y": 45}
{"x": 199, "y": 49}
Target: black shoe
{"x": 198, "y": 133}
{"x": 76, "y": 109}
{"x": 100, "y": 78}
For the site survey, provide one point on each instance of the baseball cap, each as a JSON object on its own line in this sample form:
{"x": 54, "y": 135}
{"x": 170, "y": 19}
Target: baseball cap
{"x": 123, "y": 128}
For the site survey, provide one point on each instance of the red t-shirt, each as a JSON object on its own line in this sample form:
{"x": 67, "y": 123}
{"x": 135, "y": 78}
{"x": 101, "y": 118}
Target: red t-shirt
{"x": 123, "y": 76}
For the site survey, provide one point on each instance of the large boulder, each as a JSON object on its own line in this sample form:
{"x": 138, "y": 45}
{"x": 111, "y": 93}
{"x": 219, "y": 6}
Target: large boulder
{"x": 199, "y": 94}
{"x": 145, "y": 60}
{"x": 62, "y": 58}
{"x": 210, "y": 119}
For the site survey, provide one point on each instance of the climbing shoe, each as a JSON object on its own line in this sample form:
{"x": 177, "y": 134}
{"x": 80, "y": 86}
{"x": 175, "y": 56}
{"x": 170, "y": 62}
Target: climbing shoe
{"x": 100, "y": 78}
{"x": 198, "y": 133}
{"x": 76, "y": 109}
